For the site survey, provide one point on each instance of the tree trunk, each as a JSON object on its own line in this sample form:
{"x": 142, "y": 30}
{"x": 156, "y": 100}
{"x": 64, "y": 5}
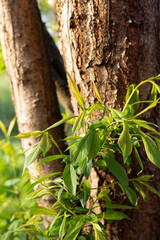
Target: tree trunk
{"x": 117, "y": 44}
{"x": 33, "y": 91}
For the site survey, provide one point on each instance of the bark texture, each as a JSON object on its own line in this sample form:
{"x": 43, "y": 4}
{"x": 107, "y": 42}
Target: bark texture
{"x": 117, "y": 44}
{"x": 33, "y": 91}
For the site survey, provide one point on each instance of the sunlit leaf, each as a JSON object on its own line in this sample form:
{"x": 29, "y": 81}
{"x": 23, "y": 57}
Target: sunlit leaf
{"x": 42, "y": 211}
{"x": 45, "y": 143}
{"x": 152, "y": 105}
{"x": 75, "y": 226}
{"x": 139, "y": 189}
{"x": 51, "y": 158}
{"x": 11, "y": 126}
{"x": 75, "y": 91}
{"x": 70, "y": 178}
{"x": 97, "y": 93}
{"x": 78, "y": 122}
{"x": 98, "y": 232}
{"x": 152, "y": 151}
{"x": 3, "y": 128}
{"x": 134, "y": 98}
{"x": 32, "y": 157}
{"x": 114, "y": 215}
{"x": 85, "y": 193}
{"x": 28, "y": 135}
{"x": 63, "y": 227}
{"x": 86, "y": 149}
{"x": 138, "y": 158}
{"x": 62, "y": 121}
{"x": 124, "y": 142}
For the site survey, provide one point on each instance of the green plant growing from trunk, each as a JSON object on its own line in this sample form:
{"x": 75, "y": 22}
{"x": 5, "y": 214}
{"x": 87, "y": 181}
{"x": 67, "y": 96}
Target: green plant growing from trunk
{"x": 109, "y": 143}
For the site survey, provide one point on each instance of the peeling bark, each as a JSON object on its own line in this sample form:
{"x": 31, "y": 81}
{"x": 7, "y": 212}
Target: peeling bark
{"x": 117, "y": 44}
{"x": 27, "y": 64}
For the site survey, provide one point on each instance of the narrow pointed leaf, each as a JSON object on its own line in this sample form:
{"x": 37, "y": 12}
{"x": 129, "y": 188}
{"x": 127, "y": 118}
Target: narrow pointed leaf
{"x": 151, "y": 188}
{"x": 134, "y": 98}
{"x": 45, "y": 143}
{"x": 115, "y": 167}
{"x": 51, "y": 158}
{"x": 3, "y": 128}
{"x": 124, "y": 142}
{"x": 70, "y": 178}
{"x": 75, "y": 226}
{"x": 130, "y": 194}
{"x": 139, "y": 189}
{"x": 78, "y": 122}
{"x": 63, "y": 227}
{"x": 62, "y": 121}
{"x": 32, "y": 157}
{"x": 98, "y": 232}
{"x": 152, "y": 151}
{"x": 75, "y": 91}
{"x": 114, "y": 215}
{"x": 97, "y": 93}
{"x": 138, "y": 158}
{"x": 11, "y": 126}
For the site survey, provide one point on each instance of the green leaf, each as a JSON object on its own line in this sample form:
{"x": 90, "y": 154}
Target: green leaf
{"x": 75, "y": 226}
{"x": 152, "y": 105}
{"x": 42, "y": 179}
{"x": 70, "y": 178}
{"x": 155, "y": 85}
{"x": 63, "y": 227}
{"x": 3, "y": 128}
{"x": 117, "y": 115}
{"x": 28, "y": 135}
{"x": 86, "y": 171}
{"x": 101, "y": 164}
{"x": 144, "y": 178}
{"x": 98, "y": 232}
{"x": 32, "y": 157}
{"x": 151, "y": 188}
{"x": 62, "y": 121}
{"x": 79, "y": 122}
{"x": 134, "y": 98}
{"x": 36, "y": 194}
{"x": 114, "y": 215}
{"x": 117, "y": 206}
{"x": 130, "y": 194}
{"x": 124, "y": 142}
{"x": 152, "y": 151}
{"x": 97, "y": 93}
{"x": 153, "y": 95}
{"x": 115, "y": 167}
{"x": 75, "y": 91}
{"x": 85, "y": 193}
{"x": 11, "y": 126}
{"x": 51, "y": 158}
{"x": 138, "y": 158}
{"x": 139, "y": 189}
{"x": 45, "y": 144}
{"x": 42, "y": 211}
{"x": 86, "y": 149}
{"x": 145, "y": 124}
{"x": 95, "y": 107}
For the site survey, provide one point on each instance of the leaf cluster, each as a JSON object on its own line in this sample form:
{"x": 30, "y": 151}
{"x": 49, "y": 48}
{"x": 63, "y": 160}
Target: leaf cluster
{"x": 119, "y": 135}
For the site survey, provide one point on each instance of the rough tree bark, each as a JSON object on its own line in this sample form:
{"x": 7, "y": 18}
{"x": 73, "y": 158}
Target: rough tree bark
{"x": 117, "y": 44}
{"x": 27, "y": 63}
